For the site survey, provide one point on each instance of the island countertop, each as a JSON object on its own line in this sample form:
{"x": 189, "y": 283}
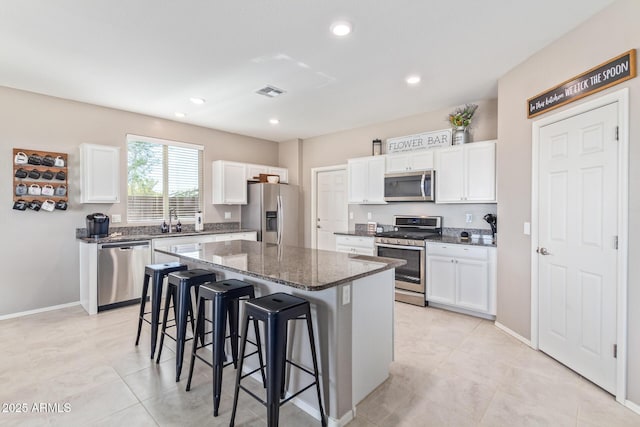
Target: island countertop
{"x": 302, "y": 268}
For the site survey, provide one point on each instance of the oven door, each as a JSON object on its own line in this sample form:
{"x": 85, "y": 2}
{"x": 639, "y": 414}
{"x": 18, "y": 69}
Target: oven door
{"x": 410, "y": 276}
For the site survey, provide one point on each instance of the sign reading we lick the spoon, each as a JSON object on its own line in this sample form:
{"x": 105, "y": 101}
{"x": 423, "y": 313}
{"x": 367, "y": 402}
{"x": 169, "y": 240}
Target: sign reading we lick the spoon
{"x": 610, "y": 73}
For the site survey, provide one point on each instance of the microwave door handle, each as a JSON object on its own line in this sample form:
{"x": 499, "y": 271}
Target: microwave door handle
{"x": 424, "y": 177}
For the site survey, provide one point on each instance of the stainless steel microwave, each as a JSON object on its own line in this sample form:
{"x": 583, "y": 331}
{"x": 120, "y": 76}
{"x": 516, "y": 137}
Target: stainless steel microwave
{"x": 414, "y": 186}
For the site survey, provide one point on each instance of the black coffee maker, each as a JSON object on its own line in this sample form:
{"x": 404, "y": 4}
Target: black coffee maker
{"x": 97, "y": 225}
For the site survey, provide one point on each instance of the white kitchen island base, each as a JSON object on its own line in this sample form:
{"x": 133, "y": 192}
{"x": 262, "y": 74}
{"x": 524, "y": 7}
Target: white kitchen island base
{"x": 352, "y": 303}
{"x": 354, "y": 341}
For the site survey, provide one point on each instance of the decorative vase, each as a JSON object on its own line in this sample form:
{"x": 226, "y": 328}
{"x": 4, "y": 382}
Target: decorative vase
{"x": 460, "y": 136}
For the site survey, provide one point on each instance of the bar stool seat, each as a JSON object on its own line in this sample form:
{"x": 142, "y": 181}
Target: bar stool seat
{"x": 179, "y": 291}
{"x": 276, "y": 310}
{"x": 156, "y": 272}
{"x": 225, "y": 299}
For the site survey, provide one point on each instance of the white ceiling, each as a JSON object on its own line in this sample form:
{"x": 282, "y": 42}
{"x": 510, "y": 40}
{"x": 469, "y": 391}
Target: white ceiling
{"x": 151, "y": 56}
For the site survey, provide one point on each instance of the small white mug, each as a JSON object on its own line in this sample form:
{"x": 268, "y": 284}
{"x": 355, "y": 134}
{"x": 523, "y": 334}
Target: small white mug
{"x": 35, "y": 190}
{"x": 48, "y": 205}
{"x": 47, "y": 190}
{"x": 59, "y": 162}
{"x": 21, "y": 158}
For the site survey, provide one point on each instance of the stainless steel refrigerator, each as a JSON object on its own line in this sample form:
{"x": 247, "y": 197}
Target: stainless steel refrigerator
{"x": 272, "y": 210}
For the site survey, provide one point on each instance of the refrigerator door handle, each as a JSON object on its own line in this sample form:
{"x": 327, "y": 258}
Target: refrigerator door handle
{"x": 280, "y": 219}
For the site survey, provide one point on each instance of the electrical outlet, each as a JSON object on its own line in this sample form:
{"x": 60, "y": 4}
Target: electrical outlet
{"x": 116, "y": 218}
{"x": 350, "y": 215}
{"x": 227, "y": 215}
{"x": 346, "y": 294}
{"x": 368, "y": 215}
{"x": 527, "y": 228}
{"x": 469, "y": 218}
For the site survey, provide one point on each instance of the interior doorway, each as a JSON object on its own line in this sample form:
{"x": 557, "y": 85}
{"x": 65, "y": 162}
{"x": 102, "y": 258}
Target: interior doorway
{"x": 329, "y": 208}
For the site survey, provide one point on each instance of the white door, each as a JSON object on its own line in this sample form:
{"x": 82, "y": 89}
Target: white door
{"x": 577, "y": 233}
{"x": 331, "y": 207}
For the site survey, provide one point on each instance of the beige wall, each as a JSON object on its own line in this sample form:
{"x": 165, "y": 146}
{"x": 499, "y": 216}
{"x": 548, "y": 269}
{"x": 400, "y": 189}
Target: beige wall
{"x": 336, "y": 148}
{"x": 611, "y": 32}
{"x": 40, "y": 254}
{"x": 290, "y": 157}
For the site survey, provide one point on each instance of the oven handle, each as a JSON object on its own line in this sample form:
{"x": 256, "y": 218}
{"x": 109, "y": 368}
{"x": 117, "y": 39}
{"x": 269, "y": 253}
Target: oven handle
{"x": 409, "y": 248}
{"x": 424, "y": 176}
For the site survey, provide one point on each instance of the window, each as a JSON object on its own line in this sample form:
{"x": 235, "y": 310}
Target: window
{"x": 162, "y": 175}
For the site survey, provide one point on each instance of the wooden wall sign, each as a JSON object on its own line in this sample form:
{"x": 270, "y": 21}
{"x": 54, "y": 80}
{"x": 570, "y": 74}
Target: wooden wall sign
{"x": 419, "y": 141}
{"x": 610, "y": 73}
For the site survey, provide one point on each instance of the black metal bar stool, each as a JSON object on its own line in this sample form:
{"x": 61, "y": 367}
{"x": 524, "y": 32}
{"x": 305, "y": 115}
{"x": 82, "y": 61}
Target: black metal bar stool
{"x": 179, "y": 290}
{"x": 225, "y": 299}
{"x": 276, "y": 310}
{"x": 157, "y": 272}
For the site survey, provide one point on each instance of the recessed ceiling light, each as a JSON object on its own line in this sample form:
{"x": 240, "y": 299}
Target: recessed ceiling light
{"x": 413, "y": 80}
{"x": 274, "y": 121}
{"x": 341, "y": 28}
{"x": 197, "y": 101}
{"x": 180, "y": 114}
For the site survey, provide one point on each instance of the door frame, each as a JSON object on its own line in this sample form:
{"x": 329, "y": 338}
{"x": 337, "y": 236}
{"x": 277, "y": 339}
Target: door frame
{"x": 621, "y": 97}
{"x": 314, "y": 198}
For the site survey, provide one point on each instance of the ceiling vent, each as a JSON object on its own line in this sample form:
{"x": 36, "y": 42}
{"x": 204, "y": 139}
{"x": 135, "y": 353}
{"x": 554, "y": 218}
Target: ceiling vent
{"x": 270, "y": 91}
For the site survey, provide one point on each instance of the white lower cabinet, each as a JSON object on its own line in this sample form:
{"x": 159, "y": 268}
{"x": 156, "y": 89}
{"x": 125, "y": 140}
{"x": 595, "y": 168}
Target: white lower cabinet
{"x": 250, "y": 235}
{"x": 462, "y": 276}
{"x": 360, "y": 245}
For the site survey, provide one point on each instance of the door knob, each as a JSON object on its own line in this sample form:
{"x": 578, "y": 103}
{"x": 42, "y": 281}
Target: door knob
{"x": 544, "y": 251}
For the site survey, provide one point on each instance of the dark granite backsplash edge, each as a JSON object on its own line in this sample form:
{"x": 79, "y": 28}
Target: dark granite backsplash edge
{"x": 155, "y": 229}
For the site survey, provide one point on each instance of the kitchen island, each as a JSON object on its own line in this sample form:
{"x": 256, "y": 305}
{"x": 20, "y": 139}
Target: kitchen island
{"x": 351, "y": 303}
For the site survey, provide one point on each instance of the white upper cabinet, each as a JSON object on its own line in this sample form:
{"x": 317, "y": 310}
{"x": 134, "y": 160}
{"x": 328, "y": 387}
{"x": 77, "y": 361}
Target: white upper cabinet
{"x": 254, "y": 171}
{"x": 366, "y": 180}
{"x": 283, "y": 173}
{"x": 99, "y": 173}
{"x": 229, "y": 183}
{"x": 466, "y": 173}
{"x": 417, "y": 161}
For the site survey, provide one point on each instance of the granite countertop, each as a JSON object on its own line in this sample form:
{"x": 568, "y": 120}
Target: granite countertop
{"x": 458, "y": 241}
{"x": 302, "y": 268}
{"x": 138, "y": 237}
{"x": 444, "y": 239}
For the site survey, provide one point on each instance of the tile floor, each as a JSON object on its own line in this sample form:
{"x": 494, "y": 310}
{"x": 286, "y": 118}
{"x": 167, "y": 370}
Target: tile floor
{"x": 450, "y": 370}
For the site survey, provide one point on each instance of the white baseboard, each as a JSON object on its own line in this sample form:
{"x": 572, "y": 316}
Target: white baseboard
{"x": 633, "y": 406}
{"x": 38, "y": 310}
{"x": 513, "y": 334}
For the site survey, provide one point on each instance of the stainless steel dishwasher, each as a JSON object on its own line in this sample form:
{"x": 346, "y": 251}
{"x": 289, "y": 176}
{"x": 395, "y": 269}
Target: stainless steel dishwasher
{"x": 121, "y": 272}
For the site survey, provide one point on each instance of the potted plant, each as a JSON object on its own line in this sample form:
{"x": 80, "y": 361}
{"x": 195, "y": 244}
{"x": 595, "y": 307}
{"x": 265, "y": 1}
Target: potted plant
{"x": 460, "y": 120}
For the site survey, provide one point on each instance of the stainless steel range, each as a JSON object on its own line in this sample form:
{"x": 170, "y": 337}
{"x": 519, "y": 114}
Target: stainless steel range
{"x": 407, "y": 242}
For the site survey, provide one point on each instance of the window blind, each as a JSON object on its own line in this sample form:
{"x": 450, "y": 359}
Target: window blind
{"x": 162, "y": 175}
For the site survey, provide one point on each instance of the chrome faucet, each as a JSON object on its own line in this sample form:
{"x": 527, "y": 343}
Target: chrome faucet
{"x": 172, "y": 214}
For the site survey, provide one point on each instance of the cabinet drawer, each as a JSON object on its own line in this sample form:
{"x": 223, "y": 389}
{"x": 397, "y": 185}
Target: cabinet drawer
{"x": 354, "y": 241}
{"x": 355, "y": 250}
{"x": 458, "y": 251}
